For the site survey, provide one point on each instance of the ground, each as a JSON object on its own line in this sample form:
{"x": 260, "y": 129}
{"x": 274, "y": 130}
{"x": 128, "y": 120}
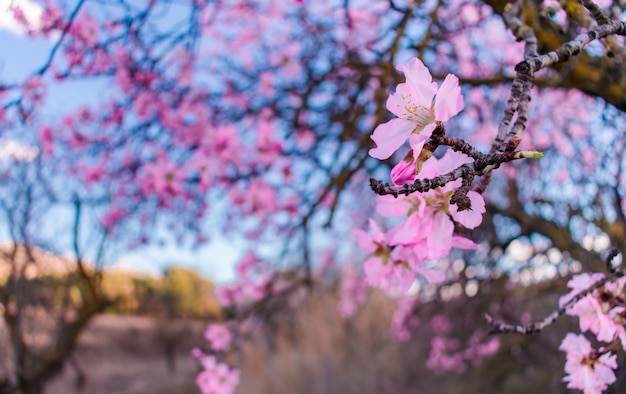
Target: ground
{"x": 127, "y": 354}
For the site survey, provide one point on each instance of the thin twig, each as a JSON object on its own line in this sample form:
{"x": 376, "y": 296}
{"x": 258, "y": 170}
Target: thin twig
{"x": 524, "y": 329}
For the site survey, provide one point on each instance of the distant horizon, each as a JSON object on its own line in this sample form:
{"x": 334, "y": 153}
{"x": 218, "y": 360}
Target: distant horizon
{"x": 122, "y": 264}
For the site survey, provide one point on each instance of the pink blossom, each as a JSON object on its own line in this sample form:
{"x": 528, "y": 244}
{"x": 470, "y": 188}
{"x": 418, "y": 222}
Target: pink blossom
{"x": 389, "y": 275}
{"x": 113, "y": 217}
{"x": 429, "y": 227}
{"x": 242, "y": 292}
{"x": 226, "y": 144}
{"x": 469, "y": 218}
{"x": 266, "y": 83}
{"x": 443, "y": 358}
{"x": 164, "y": 178}
{"x": 439, "y": 199}
{"x": 353, "y": 292}
{"x": 476, "y": 351}
{"x": 401, "y": 206}
{"x": 202, "y": 165}
{"x": 217, "y": 378}
{"x": 19, "y": 16}
{"x": 404, "y": 320}
{"x": 382, "y": 269}
{"x": 247, "y": 263}
{"x": 35, "y": 90}
{"x": 441, "y": 324}
{"x": 46, "y": 136}
{"x": 143, "y": 104}
{"x": 579, "y": 283}
{"x": 51, "y": 18}
{"x": 586, "y": 369}
{"x": 219, "y": 336}
{"x": 407, "y": 169}
{"x": 592, "y": 318}
{"x": 226, "y": 295}
{"x": 196, "y": 353}
{"x": 404, "y": 172}
{"x": 425, "y": 235}
{"x": 375, "y": 243}
{"x": 305, "y": 139}
{"x": 599, "y": 311}
{"x": 248, "y": 287}
{"x": 415, "y": 257}
{"x": 464, "y": 243}
{"x": 260, "y": 198}
{"x": 416, "y": 229}
{"x": 85, "y": 31}
{"x": 267, "y": 146}
{"x": 123, "y": 79}
{"x": 413, "y": 105}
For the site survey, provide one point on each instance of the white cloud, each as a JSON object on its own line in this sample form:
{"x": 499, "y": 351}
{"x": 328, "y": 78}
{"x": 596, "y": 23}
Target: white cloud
{"x": 32, "y": 11}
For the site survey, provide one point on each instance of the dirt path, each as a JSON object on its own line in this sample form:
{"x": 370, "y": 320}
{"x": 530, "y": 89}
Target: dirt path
{"x": 126, "y": 354}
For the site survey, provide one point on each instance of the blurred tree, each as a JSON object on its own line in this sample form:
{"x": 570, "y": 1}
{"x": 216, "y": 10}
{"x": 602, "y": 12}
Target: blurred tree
{"x": 47, "y": 300}
{"x": 190, "y": 294}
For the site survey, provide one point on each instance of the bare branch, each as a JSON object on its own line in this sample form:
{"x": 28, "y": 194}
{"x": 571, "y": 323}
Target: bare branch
{"x": 524, "y": 329}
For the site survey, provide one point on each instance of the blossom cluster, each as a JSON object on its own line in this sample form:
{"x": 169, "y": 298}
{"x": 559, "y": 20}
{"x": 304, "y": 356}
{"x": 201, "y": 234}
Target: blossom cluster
{"x": 251, "y": 284}
{"x": 603, "y": 313}
{"x": 404, "y": 319}
{"x": 418, "y": 105}
{"x": 427, "y": 232}
{"x": 353, "y": 292}
{"x": 587, "y": 369}
{"x": 447, "y": 354}
{"x": 216, "y": 377}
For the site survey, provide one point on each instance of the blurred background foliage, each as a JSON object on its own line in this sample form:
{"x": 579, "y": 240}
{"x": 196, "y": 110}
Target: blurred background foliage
{"x": 178, "y": 293}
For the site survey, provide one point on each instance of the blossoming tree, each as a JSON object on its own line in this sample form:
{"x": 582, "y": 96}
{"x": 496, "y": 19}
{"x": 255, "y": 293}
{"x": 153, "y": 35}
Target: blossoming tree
{"x": 284, "y": 109}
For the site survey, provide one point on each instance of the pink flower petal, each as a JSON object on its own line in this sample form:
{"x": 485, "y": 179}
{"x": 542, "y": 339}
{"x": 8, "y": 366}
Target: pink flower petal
{"x": 373, "y": 268}
{"x": 377, "y": 234}
{"x": 420, "y": 81}
{"x": 473, "y": 217}
{"x": 440, "y": 239}
{"x": 403, "y": 172}
{"x": 449, "y": 101}
{"x": 432, "y": 275}
{"x": 417, "y": 141}
{"x": 390, "y": 206}
{"x": 390, "y": 136}
{"x": 450, "y": 161}
{"x": 464, "y": 243}
{"x": 411, "y": 231}
{"x": 400, "y": 102}
{"x": 427, "y": 131}
{"x": 364, "y": 240}
{"x": 405, "y": 277}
